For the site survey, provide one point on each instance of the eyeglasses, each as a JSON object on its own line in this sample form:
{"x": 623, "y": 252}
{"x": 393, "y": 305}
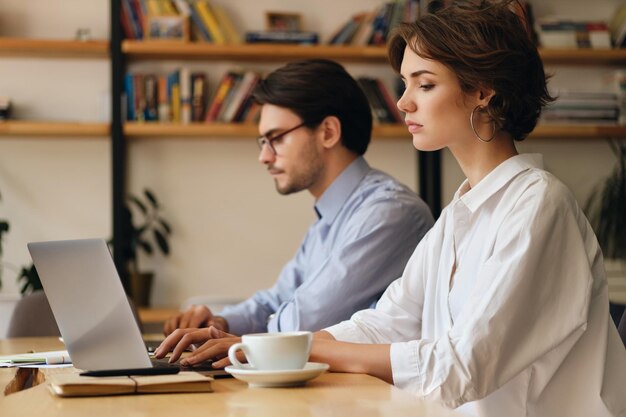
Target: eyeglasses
{"x": 269, "y": 141}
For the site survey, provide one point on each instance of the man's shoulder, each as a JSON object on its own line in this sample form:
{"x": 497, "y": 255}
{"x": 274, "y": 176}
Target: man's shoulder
{"x": 378, "y": 187}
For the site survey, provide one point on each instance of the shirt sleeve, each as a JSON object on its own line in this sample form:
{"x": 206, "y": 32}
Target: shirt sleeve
{"x": 531, "y": 296}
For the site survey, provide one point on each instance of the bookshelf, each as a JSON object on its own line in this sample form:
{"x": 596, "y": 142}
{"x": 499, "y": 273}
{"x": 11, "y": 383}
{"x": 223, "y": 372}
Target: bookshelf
{"x": 159, "y": 50}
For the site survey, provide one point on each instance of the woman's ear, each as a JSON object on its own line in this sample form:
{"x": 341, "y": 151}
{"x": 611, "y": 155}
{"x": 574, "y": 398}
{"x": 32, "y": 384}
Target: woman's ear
{"x": 331, "y": 131}
{"x": 484, "y": 96}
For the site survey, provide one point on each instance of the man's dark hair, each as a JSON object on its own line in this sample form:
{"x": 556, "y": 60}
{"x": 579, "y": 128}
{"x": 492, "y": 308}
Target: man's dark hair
{"x": 318, "y": 88}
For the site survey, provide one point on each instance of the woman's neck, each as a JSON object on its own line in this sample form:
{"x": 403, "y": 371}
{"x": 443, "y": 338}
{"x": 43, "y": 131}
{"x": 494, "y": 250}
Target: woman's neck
{"x": 477, "y": 159}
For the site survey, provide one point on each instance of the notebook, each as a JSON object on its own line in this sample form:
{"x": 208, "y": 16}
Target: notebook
{"x": 92, "y": 311}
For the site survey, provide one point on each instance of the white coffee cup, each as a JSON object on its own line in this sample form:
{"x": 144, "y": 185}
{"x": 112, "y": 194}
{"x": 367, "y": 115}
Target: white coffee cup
{"x": 273, "y": 351}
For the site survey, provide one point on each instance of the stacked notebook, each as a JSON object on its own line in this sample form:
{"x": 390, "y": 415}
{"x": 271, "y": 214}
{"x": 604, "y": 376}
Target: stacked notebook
{"x": 75, "y": 385}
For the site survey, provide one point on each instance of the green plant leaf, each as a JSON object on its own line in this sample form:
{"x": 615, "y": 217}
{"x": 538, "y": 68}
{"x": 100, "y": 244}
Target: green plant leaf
{"x": 166, "y": 226}
{"x": 162, "y": 242}
{"x": 606, "y": 208}
{"x": 138, "y": 203}
{"x": 151, "y": 198}
{"x": 147, "y": 247}
{"x": 30, "y": 278}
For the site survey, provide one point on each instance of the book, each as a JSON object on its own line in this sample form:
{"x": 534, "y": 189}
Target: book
{"x": 197, "y": 26}
{"x": 240, "y": 94}
{"x": 151, "y": 108}
{"x": 220, "y": 94}
{"x": 55, "y": 357}
{"x": 185, "y": 95}
{"x": 347, "y": 32}
{"x": 210, "y": 21}
{"x": 75, "y": 385}
{"x": 126, "y": 20}
{"x": 230, "y": 95}
{"x": 226, "y": 24}
{"x": 261, "y": 36}
{"x": 198, "y": 96}
{"x": 129, "y": 87}
{"x": 389, "y": 102}
{"x": 164, "y": 99}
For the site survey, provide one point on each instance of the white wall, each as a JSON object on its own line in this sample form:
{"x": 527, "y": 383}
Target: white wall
{"x": 232, "y": 231}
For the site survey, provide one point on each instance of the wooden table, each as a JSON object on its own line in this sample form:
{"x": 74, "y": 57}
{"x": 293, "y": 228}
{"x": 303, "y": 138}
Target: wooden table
{"x": 331, "y": 394}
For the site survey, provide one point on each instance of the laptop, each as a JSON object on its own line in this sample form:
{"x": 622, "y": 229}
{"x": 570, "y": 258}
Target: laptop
{"x": 92, "y": 311}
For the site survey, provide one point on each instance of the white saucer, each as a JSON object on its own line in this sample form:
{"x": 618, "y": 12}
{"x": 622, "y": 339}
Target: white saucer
{"x": 287, "y": 378}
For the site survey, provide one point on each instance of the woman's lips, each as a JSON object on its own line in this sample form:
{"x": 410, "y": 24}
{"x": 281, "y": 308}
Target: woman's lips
{"x": 413, "y": 127}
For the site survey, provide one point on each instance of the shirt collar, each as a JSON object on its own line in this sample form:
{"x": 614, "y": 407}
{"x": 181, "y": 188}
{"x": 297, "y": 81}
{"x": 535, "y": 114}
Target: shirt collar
{"x": 473, "y": 198}
{"x": 340, "y": 189}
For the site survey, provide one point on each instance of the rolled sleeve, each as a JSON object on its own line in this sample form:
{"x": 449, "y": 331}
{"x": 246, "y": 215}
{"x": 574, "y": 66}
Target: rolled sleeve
{"x": 405, "y": 365}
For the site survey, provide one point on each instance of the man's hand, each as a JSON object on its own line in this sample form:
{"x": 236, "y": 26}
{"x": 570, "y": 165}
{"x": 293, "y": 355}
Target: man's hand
{"x": 215, "y": 345}
{"x": 196, "y": 316}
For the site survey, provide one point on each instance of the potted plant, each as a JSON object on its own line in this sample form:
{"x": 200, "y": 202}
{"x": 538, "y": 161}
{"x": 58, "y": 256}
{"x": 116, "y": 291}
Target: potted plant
{"x": 606, "y": 208}
{"x": 149, "y": 234}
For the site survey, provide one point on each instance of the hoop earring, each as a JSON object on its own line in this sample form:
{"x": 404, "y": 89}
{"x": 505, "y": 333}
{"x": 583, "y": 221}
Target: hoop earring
{"x": 493, "y": 135}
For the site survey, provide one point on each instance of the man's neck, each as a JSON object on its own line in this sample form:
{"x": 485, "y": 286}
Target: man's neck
{"x": 335, "y": 164}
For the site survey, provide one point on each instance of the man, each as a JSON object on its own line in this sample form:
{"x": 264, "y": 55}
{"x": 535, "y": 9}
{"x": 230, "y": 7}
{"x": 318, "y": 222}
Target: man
{"x": 315, "y": 126}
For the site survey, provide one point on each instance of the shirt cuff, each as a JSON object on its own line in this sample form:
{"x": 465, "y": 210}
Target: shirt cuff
{"x": 237, "y": 324}
{"x": 405, "y": 366}
{"x": 346, "y": 331}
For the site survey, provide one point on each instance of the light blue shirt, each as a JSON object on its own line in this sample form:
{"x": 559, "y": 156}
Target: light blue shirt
{"x": 368, "y": 225}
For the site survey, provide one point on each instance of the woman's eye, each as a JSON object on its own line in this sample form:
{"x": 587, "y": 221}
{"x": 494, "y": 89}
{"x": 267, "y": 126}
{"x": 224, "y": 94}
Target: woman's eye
{"x": 426, "y": 87}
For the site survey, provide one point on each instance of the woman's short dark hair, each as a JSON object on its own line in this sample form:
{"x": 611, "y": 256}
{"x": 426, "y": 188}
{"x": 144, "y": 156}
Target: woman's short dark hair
{"x": 315, "y": 89}
{"x": 487, "y": 45}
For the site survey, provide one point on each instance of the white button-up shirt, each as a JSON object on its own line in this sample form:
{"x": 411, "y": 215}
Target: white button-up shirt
{"x": 502, "y": 309}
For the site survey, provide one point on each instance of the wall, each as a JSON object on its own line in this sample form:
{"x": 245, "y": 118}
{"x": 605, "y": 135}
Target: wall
{"x": 232, "y": 231}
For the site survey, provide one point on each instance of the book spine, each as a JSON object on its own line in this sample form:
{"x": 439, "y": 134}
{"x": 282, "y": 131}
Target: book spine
{"x": 198, "y": 96}
{"x": 129, "y": 82}
{"x": 197, "y": 27}
{"x": 389, "y": 101}
{"x": 126, "y": 21}
{"x": 164, "y": 100}
{"x": 220, "y": 95}
{"x": 136, "y": 19}
{"x": 150, "y": 91}
{"x": 228, "y": 28}
{"x": 237, "y": 77}
{"x": 140, "y": 100}
{"x": 282, "y": 37}
{"x": 185, "y": 96}
{"x": 204, "y": 9}
{"x": 243, "y": 90}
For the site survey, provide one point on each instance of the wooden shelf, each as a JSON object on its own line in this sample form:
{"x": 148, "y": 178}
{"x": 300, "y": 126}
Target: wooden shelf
{"x": 578, "y": 132}
{"x": 53, "y": 129}
{"x": 385, "y": 131}
{"x": 226, "y": 130}
{"x": 51, "y": 48}
{"x": 584, "y": 56}
{"x": 250, "y": 52}
{"x": 273, "y": 52}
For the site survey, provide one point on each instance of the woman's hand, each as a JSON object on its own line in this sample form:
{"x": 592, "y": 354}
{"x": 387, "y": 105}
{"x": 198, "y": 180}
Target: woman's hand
{"x": 209, "y": 343}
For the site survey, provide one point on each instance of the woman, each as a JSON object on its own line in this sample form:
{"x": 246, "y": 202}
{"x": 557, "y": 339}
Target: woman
{"x": 503, "y": 309}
